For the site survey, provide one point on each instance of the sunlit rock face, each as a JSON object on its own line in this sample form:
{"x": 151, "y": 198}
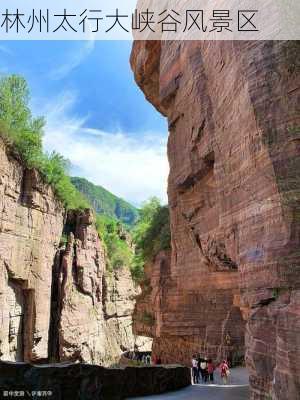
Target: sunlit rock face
{"x": 30, "y": 230}
{"x": 234, "y": 147}
{"x": 92, "y": 308}
{"x": 57, "y": 303}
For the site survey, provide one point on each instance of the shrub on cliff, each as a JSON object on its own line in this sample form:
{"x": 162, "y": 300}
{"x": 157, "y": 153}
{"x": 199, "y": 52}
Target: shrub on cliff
{"x": 151, "y": 235}
{"x": 147, "y": 318}
{"x": 55, "y": 169}
{"x": 18, "y": 127}
{"x": 24, "y": 133}
{"x": 118, "y": 250}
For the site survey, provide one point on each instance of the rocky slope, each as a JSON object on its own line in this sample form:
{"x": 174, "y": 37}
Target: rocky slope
{"x": 234, "y": 185}
{"x": 57, "y": 301}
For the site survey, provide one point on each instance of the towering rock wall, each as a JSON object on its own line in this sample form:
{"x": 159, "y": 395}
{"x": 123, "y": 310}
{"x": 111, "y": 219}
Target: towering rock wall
{"x": 234, "y": 147}
{"x": 151, "y": 305}
{"x": 31, "y": 222}
{"x": 57, "y": 301}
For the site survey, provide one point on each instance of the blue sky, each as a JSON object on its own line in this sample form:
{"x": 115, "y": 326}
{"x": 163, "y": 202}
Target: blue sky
{"x": 96, "y": 115}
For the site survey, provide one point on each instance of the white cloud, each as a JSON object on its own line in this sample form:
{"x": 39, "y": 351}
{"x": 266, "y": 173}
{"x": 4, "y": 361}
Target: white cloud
{"x": 74, "y": 60}
{"x": 134, "y": 167}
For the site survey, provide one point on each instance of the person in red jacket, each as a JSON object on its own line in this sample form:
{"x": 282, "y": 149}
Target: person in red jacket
{"x": 210, "y": 370}
{"x": 156, "y": 360}
{"x": 225, "y": 372}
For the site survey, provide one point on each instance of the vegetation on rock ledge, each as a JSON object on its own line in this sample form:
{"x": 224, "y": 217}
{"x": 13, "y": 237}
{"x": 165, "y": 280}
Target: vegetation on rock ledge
{"x": 24, "y": 133}
{"x": 119, "y": 251}
{"x": 150, "y": 235}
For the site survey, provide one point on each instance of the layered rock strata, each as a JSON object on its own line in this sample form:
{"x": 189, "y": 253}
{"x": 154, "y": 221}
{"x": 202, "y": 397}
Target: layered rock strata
{"x": 31, "y": 222}
{"x": 57, "y": 300}
{"x": 234, "y": 153}
{"x": 92, "y": 308}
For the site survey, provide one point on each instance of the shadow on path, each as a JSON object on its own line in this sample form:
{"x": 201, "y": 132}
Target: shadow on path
{"x": 236, "y": 389}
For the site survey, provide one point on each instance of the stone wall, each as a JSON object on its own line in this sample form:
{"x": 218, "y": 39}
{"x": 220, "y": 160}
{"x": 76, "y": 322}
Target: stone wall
{"x": 86, "y": 382}
{"x": 234, "y": 154}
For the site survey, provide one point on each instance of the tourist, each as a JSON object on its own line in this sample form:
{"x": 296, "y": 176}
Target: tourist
{"x": 210, "y": 370}
{"x": 148, "y": 359}
{"x": 194, "y": 370}
{"x": 225, "y": 372}
{"x": 156, "y": 360}
{"x": 200, "y": 372}
{"x": 203, "y": 369}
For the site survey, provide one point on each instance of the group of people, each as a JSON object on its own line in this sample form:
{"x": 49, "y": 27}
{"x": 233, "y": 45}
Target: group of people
{"x": 144, "y": 357}
{"x": 203, "y": 370}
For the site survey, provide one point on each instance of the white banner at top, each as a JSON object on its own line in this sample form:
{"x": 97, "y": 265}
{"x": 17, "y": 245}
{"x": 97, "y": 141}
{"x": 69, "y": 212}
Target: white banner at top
{"x": 150, "y": 20}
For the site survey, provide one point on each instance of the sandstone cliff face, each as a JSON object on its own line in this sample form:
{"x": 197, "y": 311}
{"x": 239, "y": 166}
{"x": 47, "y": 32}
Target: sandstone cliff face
{"x": 31, "y": 226}
{"x": 234, "y": 202}
{"x": 120, "y": 299}
{"x": 150, "y": 303}
{"x": 57, "y": 303}
{"x": 92, "y": 308}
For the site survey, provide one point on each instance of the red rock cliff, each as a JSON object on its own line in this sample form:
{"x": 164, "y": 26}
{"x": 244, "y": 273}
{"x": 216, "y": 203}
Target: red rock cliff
{"x": 91, "y": 319}
{"x": 57, "y": 303}
{"x": 234, "y": 153}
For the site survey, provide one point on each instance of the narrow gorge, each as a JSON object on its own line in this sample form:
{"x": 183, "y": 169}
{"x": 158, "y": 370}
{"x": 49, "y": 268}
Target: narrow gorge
{"x": 58, "y": 301}
{"x": 222, "y": 276}
{"x": 231, "y": 284}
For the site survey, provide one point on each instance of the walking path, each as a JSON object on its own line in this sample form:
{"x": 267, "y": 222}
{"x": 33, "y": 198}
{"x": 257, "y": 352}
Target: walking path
{"x": 236, "y": 389}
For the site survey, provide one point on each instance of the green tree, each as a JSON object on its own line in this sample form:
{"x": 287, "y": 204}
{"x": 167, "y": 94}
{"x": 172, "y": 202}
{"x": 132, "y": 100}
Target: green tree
{"x": 118, "y": 251}
{"x": 151, "y": 235}
{"x": 14, "y": 98}
{"x": 24, "y": 133}
{"x": 18, "y": 124}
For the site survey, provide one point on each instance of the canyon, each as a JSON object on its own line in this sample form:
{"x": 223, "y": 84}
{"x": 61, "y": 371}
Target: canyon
{"x": 230, "y": 287}
{"x": 58, "y": 301}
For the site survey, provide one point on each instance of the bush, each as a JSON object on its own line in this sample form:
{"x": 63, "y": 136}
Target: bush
{"x": 147, "y": 319}
{"x": 63, "y": 240}
{"x": 24, "y": 133}
{"x": 118, "y": 251}
{"x": 137, "y": 267}
{"x": 55, "y": 170}
{"x": 151, "y": 235}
